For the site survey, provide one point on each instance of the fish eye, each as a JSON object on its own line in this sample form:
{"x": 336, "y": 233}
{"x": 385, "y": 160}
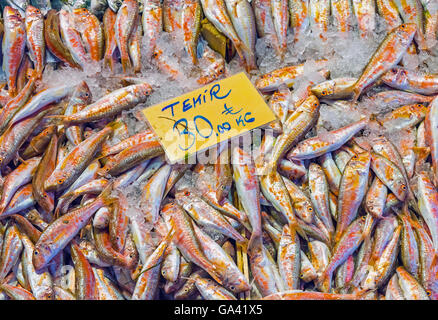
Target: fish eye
{"x": 310, "y": 209}
{"x": 418, "y": 105}
{"x": 186, "y": 193}
{"x": 232, "y": 288}
{"x": 35, "y": 252}
{"x": 87, "y": 94}
{"x": 163, "y": 272}
{"x": 315, "y": 104}
{"x": 429, "y": 293}
{"x": 354, "y": 157}
{"x": 324, "y": 93}
{"x": 403, "y": 26}
{"x": 60, "y": 181}
{"x": 221, "y": 70}
{"x": 403, "y": 187}
{"x": 155, "y": 55}
{"x": 363, "y": 218}
{"x": 301, "y": 275}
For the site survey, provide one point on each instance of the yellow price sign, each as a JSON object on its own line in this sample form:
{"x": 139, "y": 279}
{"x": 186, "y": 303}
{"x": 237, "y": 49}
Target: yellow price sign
{"x": 207, "y": 116}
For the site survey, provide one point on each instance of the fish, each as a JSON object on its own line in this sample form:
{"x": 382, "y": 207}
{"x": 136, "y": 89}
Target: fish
{"x": 242, "y": 17}
{"x": 109, "y": 20}
{"x": 386, "y": 56}
{"x": 34, "y": 22}
{"x": 152, "y": 23}
{"x": 402, "y": 79}
{"x": 13, "y": 45}
{"x": 54, "y": 43}
{"x": 126, "y": 21}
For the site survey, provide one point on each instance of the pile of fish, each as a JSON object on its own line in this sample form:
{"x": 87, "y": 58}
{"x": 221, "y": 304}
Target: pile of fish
{"x": 90, "y": 209}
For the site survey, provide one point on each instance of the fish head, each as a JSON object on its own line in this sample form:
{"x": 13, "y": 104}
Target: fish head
{"x": 406, "y": 33}
{"x": 33, "y": 13}
{"x": 49, "y": 202}
{"x": 55, "y": 181}
{"x": 41, "y": 256}
{"x": 83, "y": 93}
{"x": 323, "y": 89}
{"x": 396, "y": 76}
{"x": 12, "y": 17}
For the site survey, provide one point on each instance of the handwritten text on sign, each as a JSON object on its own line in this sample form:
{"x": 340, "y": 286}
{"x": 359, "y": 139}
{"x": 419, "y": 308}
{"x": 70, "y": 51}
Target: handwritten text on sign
{"x": 207, "y": 116}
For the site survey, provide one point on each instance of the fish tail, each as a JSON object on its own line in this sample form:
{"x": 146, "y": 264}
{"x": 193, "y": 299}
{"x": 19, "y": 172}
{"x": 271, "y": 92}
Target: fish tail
{"x": 105, "y": 195}
{"x": 255, "y": 241}
{"x": 324, "y": 282}
{"x": 109, "y": 62}
{"x": 356, "y": 94}
{"x": 294, "y": 226}
{"x": 126, "y": 63}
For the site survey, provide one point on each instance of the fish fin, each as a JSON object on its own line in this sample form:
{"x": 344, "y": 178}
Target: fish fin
{"x": 369, "y": 221}
{"x": 255, "y": 242}
{"x": 58, "y": 119}
{"x": 126, "y": 64}
{"x": 105, "y": 195}
{"x": 356, "y": 95}
{"x": 114, "y": 125}
{"x": 324, "y": 282}
{"x": 360, "y": 294}
{"x": 295, "y": 226}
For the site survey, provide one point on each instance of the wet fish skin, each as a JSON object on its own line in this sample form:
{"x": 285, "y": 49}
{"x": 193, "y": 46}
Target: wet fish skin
{"x": 125, "y": 23}
{"x": 386, "y": 56}
{"x": 34, "y": 21}
{"x": 13, "y": 45}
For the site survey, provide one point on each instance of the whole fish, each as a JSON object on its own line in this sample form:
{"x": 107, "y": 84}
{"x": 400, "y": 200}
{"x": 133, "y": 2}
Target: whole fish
{"x": 352, "y": 191}
{"x": 111, "y": 104}
{"x": 109, "y": 20}
{"x": 35, "y": 37}
{"x": 386, "y": 56}
{"x": 13, "y": 45}
{"x": 152, "y": 22}
{"x": 242, "y": 17}
{"x": 329, "y": 141}
{"x": 125, "y": 24}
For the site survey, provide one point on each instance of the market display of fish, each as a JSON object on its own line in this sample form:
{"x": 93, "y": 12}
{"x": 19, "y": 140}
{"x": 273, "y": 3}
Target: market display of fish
{"x": 337, "y": 201}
